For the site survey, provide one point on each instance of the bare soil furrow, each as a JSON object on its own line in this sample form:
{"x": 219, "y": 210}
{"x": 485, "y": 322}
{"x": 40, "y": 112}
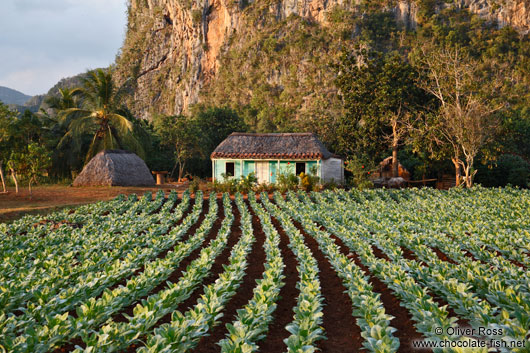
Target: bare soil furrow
{"x": 284, "y": 312}
{"x": 254, "y": 271}
{"x": 406, "y": 332}
{"x": 175, "y": 275}
{"x": 119, "y": 317}
{"x": 343, "y": 334}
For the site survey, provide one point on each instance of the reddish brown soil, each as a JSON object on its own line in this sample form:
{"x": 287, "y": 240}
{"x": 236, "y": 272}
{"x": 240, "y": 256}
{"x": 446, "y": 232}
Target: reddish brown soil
{"x": 51, "y": 198}
{"x": 438, "y": 299}
{"x": 516, "y": 263}
{"x": 343, "y": 334}
{"x": 256, "y": 266}
{"x": 379, "y": 254}
{"x": 284, "y": 312}
{"x": 406, "y": 332}
{"x": 442, "y": 256}
{"x": 467, "y": 253}
{"x": 409, "y": 255}
{"x": 217, "y": 268}
{"x": 73, "y": 313}
{"x": 185, "y": 263}
{"x": 441, "y": 302}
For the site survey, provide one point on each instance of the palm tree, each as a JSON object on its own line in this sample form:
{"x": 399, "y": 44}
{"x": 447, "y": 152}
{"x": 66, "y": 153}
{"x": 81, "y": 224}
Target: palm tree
{"x": 67, "y": 99}
{"x": 101, "y": 114}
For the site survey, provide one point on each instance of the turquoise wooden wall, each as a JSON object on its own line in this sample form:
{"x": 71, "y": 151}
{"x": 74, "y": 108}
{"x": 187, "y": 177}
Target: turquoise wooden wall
{"x": 273, "y": 166}
{"x": 249, "y": 167}
{"x": 310, "y": 165}
{"x": 286, "y": 167}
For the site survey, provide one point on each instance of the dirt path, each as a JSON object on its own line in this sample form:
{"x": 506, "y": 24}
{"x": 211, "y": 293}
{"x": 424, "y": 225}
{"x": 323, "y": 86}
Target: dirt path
{"x": 52, "y": 198}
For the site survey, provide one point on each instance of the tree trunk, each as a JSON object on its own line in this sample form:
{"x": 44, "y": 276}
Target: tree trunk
{"x": 456, "y": 162}
{"x": 395, "y": 162}
{"x": 181, "y": 170}
{"x": 2, "y": 176}
{"x": 29, "y": 186}
{"x": 395, "y": 141}
{"x": 468, "y": 172}
{"x": 14, "y": 176}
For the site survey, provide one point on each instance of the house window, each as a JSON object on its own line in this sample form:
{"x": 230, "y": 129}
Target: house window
{"x": 300, "y": 168}
{"x": 230, "y": 168}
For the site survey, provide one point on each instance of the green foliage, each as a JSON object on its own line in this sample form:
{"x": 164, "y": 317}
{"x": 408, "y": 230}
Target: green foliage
{"x": 196, "y": 15}
{"x": 287, "y": 181}
{"x": 194, "y": 185}
{"x": 101, "y": 115}
{"x": 30, "y": 163}
{"x": 375, "y": 88}
{"x": 213, "y": 125}
{"x": 247, "y": 183}
{"x": 309, "y": 182}
{"x": 507, "y": 170}
{"x": 181, "y": 134}
{"x": 231, "y": 185}
{"x": 360, "y": 172}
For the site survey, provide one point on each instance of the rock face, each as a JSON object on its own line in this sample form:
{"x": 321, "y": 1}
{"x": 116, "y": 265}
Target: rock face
{"x": 515, "y": 13}
{"x": 177, "y": 49}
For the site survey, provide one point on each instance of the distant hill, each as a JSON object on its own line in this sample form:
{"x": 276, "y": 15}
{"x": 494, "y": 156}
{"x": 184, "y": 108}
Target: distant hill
{"x": 68, "y": 82}
{"x": 35, "y": 103}
{"x": 11, "y": 96}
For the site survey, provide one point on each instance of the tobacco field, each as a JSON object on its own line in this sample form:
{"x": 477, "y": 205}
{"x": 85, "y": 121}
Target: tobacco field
{"x": 337, "y": 271}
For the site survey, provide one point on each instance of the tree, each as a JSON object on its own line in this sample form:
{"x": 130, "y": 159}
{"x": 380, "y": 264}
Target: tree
{"x": 67, "y": 99}
{"x": 7, "y": 118}
{"x": 102, "y": 115}
{"x": 380, "y": 96}
{"x": 215, "y": 124}
{"x": 19, "y": 133}
{"x": 29, "y": 163}
{"x": 465, "y": 120}
{"x": 182, "y": 134}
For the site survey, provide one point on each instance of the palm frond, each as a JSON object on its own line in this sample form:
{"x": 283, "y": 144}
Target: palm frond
{"x": 120, "y": 123}
{"x": 66, "y": 116}
{"x": 82, "y": 125}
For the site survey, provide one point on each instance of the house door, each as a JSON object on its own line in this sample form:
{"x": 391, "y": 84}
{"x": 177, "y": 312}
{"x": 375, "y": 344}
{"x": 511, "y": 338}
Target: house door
{"x": 262, "y": 172}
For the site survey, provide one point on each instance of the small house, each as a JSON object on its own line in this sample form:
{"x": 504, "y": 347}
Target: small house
{"x": 269, "y": 155}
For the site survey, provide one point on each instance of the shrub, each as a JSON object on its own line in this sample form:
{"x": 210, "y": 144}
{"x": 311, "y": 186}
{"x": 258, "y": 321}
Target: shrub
{"x": 361, "y": 173}
{"x": 247, "y": 184}
{"x": 194, "y": 185}
{"x": 309, "y": 182}
{"x": 287, "y": 182}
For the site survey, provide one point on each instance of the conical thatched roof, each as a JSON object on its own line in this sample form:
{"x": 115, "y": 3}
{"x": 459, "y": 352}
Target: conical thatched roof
{"x": 115, "y": 168}
{"x": 265, "y": 146}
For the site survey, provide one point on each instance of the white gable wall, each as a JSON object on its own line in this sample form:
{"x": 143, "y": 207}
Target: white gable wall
{"x": 332, "y": 170}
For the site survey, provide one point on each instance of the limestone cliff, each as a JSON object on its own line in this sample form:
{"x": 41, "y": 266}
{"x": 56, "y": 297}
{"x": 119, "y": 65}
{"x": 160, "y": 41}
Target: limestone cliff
{"x": 181, "y": 52}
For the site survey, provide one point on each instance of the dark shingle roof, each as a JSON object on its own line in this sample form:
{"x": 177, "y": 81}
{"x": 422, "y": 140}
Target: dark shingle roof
{"x": 272, "y": 146}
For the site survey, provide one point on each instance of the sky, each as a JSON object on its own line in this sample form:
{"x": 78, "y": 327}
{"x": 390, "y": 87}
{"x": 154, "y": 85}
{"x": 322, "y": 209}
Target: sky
{"x": 43, "y": 41}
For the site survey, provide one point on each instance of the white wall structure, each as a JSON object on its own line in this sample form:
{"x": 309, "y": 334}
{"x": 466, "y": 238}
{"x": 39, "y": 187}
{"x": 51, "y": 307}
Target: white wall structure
{"x": 333, "y": 170}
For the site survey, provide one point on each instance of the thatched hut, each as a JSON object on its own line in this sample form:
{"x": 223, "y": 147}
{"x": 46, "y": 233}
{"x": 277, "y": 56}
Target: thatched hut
{"x": 268, "y": 155}
{"x": 115, "y": 168}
